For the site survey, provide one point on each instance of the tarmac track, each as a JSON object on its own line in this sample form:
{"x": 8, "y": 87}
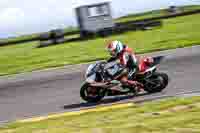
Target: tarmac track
{"x": 57, "y": 90}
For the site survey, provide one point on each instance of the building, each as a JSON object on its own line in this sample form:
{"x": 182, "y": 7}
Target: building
{"x": 95, "y": 18}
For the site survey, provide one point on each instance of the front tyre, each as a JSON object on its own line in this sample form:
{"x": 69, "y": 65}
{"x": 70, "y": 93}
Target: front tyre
{"x": 157, "y": 82}
{"x": 91, "y": 94}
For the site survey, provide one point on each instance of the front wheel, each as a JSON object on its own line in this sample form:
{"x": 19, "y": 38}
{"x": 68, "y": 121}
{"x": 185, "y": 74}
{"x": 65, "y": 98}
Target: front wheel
{"x": 91, "y": 94}
{"x": 157, "y": 82}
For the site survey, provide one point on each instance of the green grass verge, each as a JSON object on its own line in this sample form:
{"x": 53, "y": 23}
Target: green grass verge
{"x": 154, "y": 13}
{"x": 177, "y": 32}
{"x": 175, "y": 115}
{"x": 30, "y": 37}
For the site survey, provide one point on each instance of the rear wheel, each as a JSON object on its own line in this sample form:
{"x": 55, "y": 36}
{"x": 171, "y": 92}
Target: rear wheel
{"x": 91, "y": 94}
{"x": 156, "y": 83}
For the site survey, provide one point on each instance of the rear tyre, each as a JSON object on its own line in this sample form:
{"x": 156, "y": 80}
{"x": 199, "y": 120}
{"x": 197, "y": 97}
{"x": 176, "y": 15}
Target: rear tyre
{"x": 157, "y": 83}
{"x": 89, "y": 96}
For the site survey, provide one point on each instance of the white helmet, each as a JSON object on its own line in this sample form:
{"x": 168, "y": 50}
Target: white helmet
{"x": 114, "y": 48}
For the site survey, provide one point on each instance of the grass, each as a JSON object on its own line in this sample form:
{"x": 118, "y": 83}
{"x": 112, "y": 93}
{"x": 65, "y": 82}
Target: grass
{"x": 26, "y": 57}
{"x": 30, "y": 37}
{"x": 175, "y": 115}
{"x": 177, "y": 32}
{"x": 154, "y": 13}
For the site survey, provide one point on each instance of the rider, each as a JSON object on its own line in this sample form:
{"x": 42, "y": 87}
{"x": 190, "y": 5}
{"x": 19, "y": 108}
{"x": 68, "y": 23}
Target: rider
{"x": 127, "y": 59}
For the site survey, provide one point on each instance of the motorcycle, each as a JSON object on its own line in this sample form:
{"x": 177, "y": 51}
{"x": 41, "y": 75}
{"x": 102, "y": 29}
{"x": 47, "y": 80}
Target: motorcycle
{"x": 96, "y": 87}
